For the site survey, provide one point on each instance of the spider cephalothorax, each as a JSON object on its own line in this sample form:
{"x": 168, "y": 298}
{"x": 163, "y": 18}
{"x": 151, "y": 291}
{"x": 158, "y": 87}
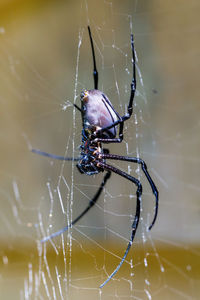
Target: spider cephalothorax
{"x": 100, "y": 123}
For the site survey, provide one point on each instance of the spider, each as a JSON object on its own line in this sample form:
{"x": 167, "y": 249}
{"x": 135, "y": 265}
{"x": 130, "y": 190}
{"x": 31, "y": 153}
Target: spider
{"x": 100, "y": 123}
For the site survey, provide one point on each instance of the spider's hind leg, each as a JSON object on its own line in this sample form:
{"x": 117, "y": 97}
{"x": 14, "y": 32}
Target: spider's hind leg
{"x": 106, "y": 151}
{"x": 145, "y": 170}
{"x": 90, "y": 205}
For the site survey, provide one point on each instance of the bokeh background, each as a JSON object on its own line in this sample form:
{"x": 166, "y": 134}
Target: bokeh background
{"x": 45, "y": 62}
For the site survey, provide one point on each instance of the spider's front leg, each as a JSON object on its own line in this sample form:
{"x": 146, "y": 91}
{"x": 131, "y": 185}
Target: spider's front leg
{"x": 124, "y": 118}
{"x": 95, "y": 72}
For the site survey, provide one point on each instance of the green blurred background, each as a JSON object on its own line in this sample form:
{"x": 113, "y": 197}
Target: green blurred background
{"x": 45, "y": 62}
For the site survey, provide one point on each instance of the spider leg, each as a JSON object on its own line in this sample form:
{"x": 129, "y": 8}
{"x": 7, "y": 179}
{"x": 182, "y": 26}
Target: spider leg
{"x": 122, "y": 119}
{"x": 37, "y": 151}
{"x": 111, "y": 140}
{"x": 133, "y": 83}
{"x": 144, "y": 169}
{"x": 77, "y": 107}
{"x": 95, "y": 72}
{"x": 137, "y": 214}
{"x": 90, "y": 205}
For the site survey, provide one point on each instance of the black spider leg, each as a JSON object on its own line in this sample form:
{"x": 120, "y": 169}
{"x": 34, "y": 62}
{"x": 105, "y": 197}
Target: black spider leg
{"x": 109, "y": 107}
{"x": 137, "y": 213}
{"x": 37, "y": 151}
{"x": 77, "y": 107}
{"x": 144, "y": 169}
{"x": 95, "y": 72}
{"x": 90, "y": 205}
{"x": 122, "y": 119}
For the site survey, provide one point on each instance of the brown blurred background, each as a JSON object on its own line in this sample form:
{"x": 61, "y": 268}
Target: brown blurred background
{"x": 45, "y": 62}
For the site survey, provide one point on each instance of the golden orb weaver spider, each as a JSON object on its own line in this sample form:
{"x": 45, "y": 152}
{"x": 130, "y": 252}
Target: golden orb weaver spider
{"x": 100, "y": 121}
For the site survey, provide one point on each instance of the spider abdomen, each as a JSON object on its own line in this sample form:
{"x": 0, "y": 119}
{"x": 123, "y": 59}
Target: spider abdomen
{"x": 98, "y": 111}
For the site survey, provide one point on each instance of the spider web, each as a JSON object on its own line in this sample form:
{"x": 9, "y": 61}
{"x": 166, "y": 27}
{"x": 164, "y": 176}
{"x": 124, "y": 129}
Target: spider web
{"x": 42, "y": 75}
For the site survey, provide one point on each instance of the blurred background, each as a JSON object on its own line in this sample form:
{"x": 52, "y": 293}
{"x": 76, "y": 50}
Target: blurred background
{"x": 46, "y": 61}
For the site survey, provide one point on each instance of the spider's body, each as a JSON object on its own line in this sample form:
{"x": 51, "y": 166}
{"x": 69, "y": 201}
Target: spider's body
{"x": 100, "y": 123}
{"x": 97, "y": 113}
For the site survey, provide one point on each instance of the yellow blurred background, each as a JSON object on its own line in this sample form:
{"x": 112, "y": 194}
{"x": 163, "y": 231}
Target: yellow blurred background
{"x": 45, "y": 62}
